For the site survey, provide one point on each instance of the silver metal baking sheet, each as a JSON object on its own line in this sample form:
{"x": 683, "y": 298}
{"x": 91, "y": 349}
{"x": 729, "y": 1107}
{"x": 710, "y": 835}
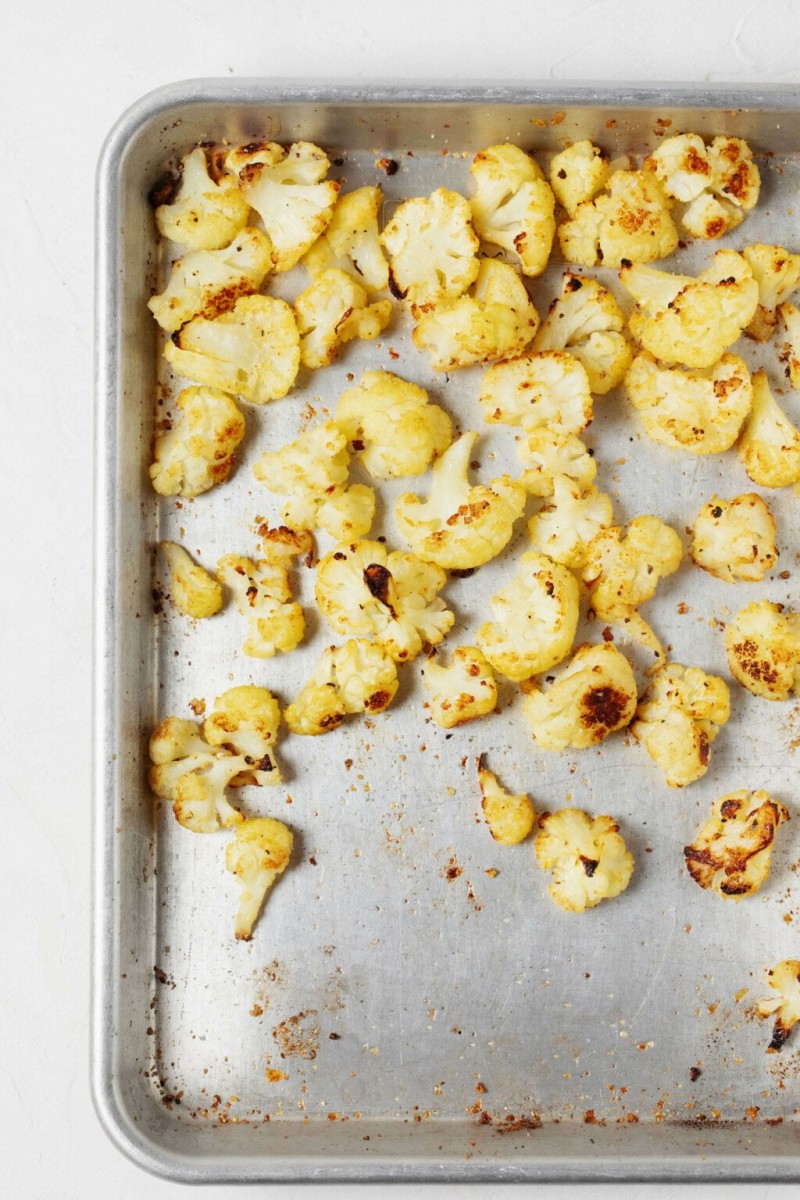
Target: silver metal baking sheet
{"x": 431, "y": 1021}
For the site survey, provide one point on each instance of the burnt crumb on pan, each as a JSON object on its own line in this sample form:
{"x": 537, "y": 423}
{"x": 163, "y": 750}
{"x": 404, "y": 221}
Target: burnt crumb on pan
{"x": 389, "y": 166}
{"x": 165, "y": 189}
{"x": 163, "y": 978}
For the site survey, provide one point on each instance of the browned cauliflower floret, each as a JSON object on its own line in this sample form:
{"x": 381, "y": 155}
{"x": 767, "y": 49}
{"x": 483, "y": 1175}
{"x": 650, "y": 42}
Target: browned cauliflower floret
{"x": 587, "y": 321}
{"x": 731, "y": 853}
{"x": 719, "y": 183}
{"x": 565, "y": 526}
{"x": 392, "y": 425}
{"x": 789, "y": 342}
{"x": 735, "y": 539}
{"x": 548, "y": 453}
{"x": 351, "y": 241}
{"x": 701, "y": 411}
{"x": 588, "y": 857}
{"x": 678, "y": 718}
{"x": 275, "y": 622}
{"x": 335, "y": 310}
{"x": 770, "y": 444}
{"x": 192, "y": 590}
{"x": 577, "y": 174}
{"x": 763, "y": 645}
{"x": 205, "y": 283}
{"x": 432, "y": 248}
{"x": 258, "y": 854}
{"x": 630, "y": 221}
{"x": 354, "y": 678}
{"x": 777, "y": 273}
{"x": 513, "y": 206}
{"x": 206, "y": 213}
{"x": 592, "y": 697}
{"x": 510, "y": 817}
{"x": 461, "y": 692}
{"x": 547, "y": 389}
{"x": 785, "y": 979}
{"x": 200, "y": 450}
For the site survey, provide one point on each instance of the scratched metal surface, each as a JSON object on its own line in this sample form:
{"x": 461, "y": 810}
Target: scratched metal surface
{"x": 390, "y": 974}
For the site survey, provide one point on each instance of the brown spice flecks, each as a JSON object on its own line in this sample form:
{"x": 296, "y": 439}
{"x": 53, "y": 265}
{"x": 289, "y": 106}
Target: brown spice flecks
{"x": 298, "y": 1036}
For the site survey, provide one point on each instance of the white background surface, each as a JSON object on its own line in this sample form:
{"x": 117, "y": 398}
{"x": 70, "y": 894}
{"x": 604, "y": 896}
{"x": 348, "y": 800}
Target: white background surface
{"x": 66, "y": 72}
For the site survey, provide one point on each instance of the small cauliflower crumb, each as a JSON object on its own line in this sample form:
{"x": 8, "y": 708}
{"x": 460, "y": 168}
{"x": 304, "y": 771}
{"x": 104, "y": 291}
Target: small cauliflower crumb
{"x": 735, "y": 539}
{"x": 593, "y": 696}
{"x": 731, "y": 853}
{"x": 588, "y": 857}
{"x": 678, "y": 718}
{"x": 461, "y": 692}
{"x": 510, "y": 817}
{"x": 193, "y": 590}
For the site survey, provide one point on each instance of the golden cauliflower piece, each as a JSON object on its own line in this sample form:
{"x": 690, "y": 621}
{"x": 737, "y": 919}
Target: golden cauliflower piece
{"x": 577, "y": 174}
{"x": 200, "y": 450}
{"x": 785, "y": 979}
{"x": 629, "y": 221}
{"x": 510, "y": 817}
{"x": 678, "y": 718}
{"x": 347, "y": 513}
{"x": 245, "y": 721}
{"x": 535, "y": 618}
{"x": 770, "y": 445}
{"x": 206, "y": 213}
{"x": 354, "y": 678}
{"x": 205, "y": 283}
{"x": 432, "y": 248}
{"x": 263, "y": 596}
{"x": 593, "y": 696}
{"x": 588, "y": 857}
{"x": 252, "y": 351}
{"x": 392, "y": 425}
{"x": 288, "y": 190}
{"x": 719, "y": 183}
{"x": 513, "y": 206}
{"x": 547, "y": 389}
{"x": 735, "y": 539}
{"x": 461, "y": 692}
{"x": 282, "y": 545}
{"x": 497, "y": 319}
{"x": 587, "y": 321}
{"x": 351, "y": 242}
{"x": 681, "y": 319}
{"x": 460, "y": 525}
{"x": 777, "y": 273}
{"x": 548, "y": 453}
{"x": 259, "y": 853}
{"x": 789, "y": 342}
{"x": 731, "y": 853}
{"x": 390, "y": 598}
{"x": 192, "y": 590}
{"x": 565, "y": 526}
{"x": 763, "y": 647}
{"x": 335, "y": 310}
{"x": 701, "y": 411}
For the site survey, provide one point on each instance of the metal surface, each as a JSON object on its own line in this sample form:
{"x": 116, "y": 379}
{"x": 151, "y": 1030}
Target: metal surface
{"x": 387, "y": 932}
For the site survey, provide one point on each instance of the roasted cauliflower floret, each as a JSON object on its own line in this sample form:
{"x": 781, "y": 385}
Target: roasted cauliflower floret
{"x": 763, "y": 646}
{"x": 587, "y": 321}
{"x": 252, "y": 351}
{"x": 432, "y": 248}
{"x": 461, "y": 692}
{"x": 206, "y": 213}
{"x": 777, "y": 273}
{"x": 188, "y": 773}
{"x": 681, "y": 319}
{"x": 288, "y": 190}
{"x": 245, "y": 721}
{"x": 282, "y": 545}
{"x": 347, "y": 513}
{"x": 200, "y": 450}
{"x": 785, "y": 979}
{"x": 719, "y": 183}
{"x": 335, "y": 310}
{"x": 588, "y": 857}
{"x": 259, "y": 853}
{"x": 351, "y": 242}
{"x": 275, "y": 623}
{"x": 548, "y": 453}
{"x": 789, "y": 342}
{"x": 701, "y": 411}
{"x": 731, "y": 853}
{"x": 392, "y": 425}
{"x": 593, "y": 696}
{"x": 678, "y": 718}
{"x": 460, "y": 525}
{"x": 735, "y": 539}
{"x": 630, "y": 221}
{"x": 577, "y": 174}
{"x": 495, "y": 320}
{"x": 390, "y": 598}
{"x": 510, "y": 817}
{"x": 354, "y": 678}
{"x": 205, "y": 283}
{"x": 565, "y": 526}
{"x": 535, "y": 618}
{"x": 547, "y": 389}
{"x": 770, "y": 444}
{"x": 192, "y": 590}
{"x": 513, "y": 206}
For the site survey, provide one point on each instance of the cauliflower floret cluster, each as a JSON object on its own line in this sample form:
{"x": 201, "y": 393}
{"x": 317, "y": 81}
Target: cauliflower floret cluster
{"x": 192, "y": 590}
{"x": 577, "y": 174}
{"x": 545, "y": 389}
{"x": 593, "y": 696}
{"x": 259, "y": 853}
{"x": 789, "y": 342}
{"x": 335, "y": 310}
{"x": 200, "y": 450}
{"x": 535, "y": 619}
{"x": 777, "y": 273}
{"x": 587, "y": 321}
{"x": 548, "y": 453}
{"x": 497, "y": 319}
{"x": 678, "y": 718}
{"x": 351, "y": 242}
{"x": 588, "y": 857}
{"x": 392, "y": 425}
{"x": 770, "y": 444}
{"x": 731, "y": 853}
{"x": 275, "y": 623}
{"x": 630, "y": 221}
{"x": 681, "y": 319}
{"x": 461, "y": 692}
{"x": 719, "y": 183}
{"x": 763, "y": 647}
{"x": 701, "y": 411}
{"x": 460, "y": 525}
{"x": 288, "y": 190}
{"x": 354, "y": 678}
{"x": 569, "y": 521}
{"x": 510, "y": 817}
{"x": 735, "y": 539}
{"x": 205, "y": 283}
{"x": 432, "y": 248}
{"x": 391, "y": 598}
{"x": 785, "y": 979}
{"x": 513, "y": 206}
{"x": 206, "y": 213}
